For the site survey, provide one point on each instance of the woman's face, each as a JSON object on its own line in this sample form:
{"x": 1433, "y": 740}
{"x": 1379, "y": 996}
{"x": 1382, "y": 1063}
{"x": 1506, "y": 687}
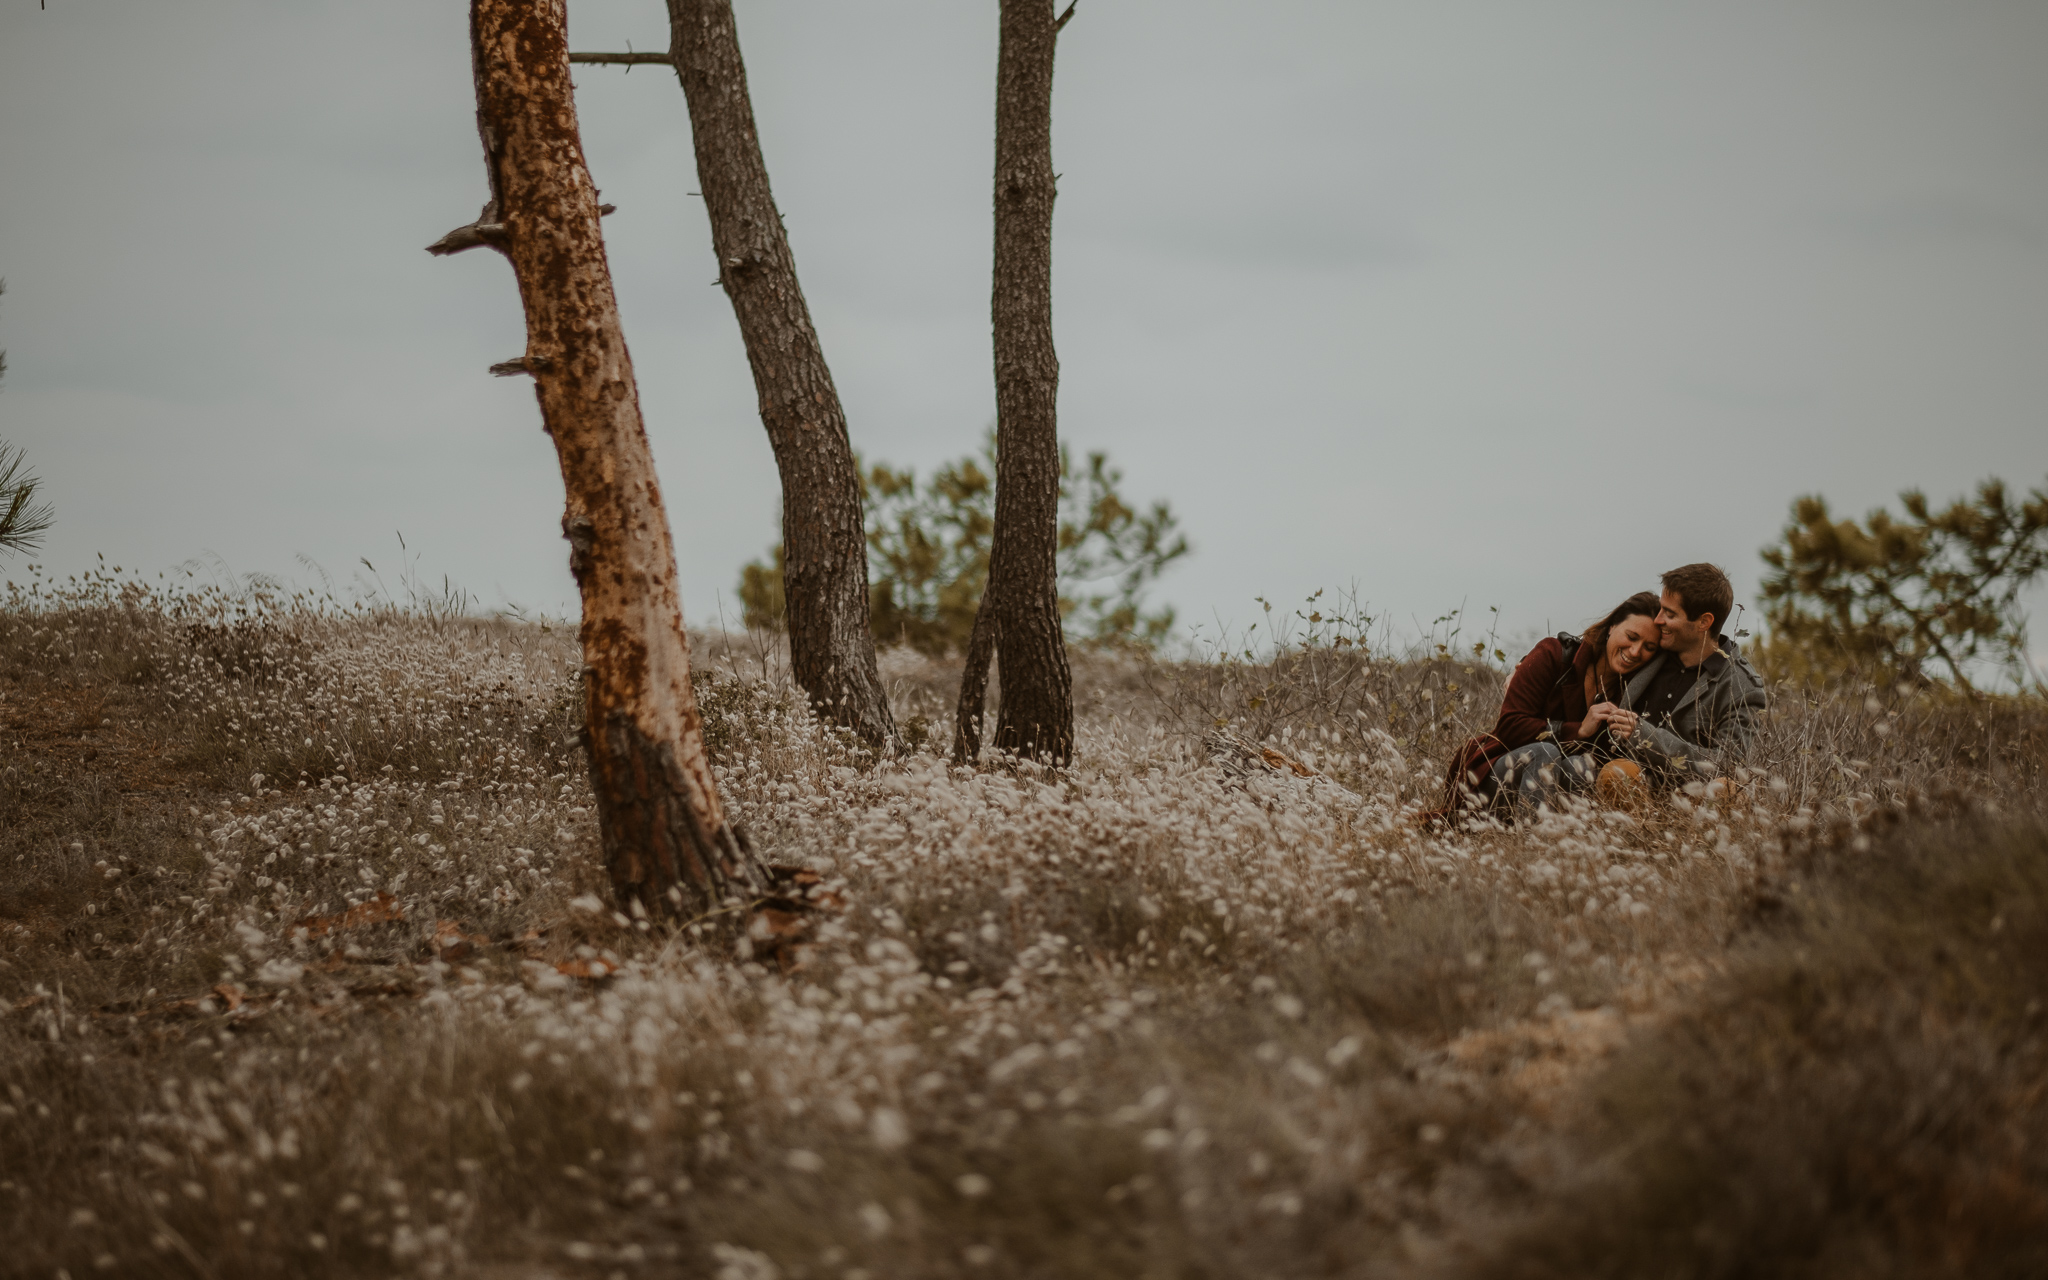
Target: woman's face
{"x": 1631, "y": 642}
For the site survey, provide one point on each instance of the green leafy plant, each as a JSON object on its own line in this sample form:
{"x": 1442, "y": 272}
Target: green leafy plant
{"x": 1906, "y": 599}
{"x": 928, "y": 549}
{"x": 23, "y": 518}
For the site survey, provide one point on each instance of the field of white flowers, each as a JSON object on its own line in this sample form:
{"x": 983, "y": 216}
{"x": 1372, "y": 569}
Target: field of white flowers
{"x": 306, "y": 969}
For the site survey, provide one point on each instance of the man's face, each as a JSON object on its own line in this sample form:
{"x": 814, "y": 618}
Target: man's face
{"x": 1679, "y": 633}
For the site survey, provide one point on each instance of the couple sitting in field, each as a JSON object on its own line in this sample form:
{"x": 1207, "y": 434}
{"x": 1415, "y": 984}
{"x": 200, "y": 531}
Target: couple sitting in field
{"x": 1654, "y": 685}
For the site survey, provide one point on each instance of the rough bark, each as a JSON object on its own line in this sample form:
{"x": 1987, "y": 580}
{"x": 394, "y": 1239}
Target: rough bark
{"x": 824, "y": 533}
{"x": 667, "y": 843}
{"x": 1019, "y": 620}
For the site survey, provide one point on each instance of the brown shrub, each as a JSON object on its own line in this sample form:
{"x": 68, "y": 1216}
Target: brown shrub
{"x": 1861, "y": 1094}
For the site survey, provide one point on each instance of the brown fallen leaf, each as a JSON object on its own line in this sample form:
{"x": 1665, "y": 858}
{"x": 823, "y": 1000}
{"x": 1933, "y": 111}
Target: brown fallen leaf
{"x": 779, "y": 931}
{"x": 451, "y": 944}
{"x": 227, "y": 995}
{"x": 595, "y": 970}
{"x": 806, "y": 886}
{"x": 772, "y": 925}
{"x": 1238, "y": 754}
{"x": 1286, "y": 762}
{"x": 533, "y": 940}
{"x": 779, "y": 926}
{"x": 378, "y": 910}
{"x": 817, "y": 894}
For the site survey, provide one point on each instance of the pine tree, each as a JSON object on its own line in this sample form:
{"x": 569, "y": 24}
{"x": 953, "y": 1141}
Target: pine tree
{"x": 23, "y": 519}
{"x": 1906, "y": 599}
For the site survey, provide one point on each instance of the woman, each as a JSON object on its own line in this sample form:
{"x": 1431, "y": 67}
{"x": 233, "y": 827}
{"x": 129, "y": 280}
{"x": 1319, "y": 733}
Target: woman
{"x": 1559, "y": 718}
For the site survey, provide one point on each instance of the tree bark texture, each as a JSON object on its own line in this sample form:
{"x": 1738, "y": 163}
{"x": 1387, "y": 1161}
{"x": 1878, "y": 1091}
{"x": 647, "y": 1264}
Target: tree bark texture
{"x": 667, "y": 843}
{"x": 1019, "y": 619}
{"x": 824, "y": 534}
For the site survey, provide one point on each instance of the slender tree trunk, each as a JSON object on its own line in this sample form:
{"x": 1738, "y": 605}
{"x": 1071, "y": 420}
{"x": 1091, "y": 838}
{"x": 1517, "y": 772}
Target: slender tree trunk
{"x": 1019, "y": 620}
{"x": 666, "y": 840}
{"x": 824, "y": 535}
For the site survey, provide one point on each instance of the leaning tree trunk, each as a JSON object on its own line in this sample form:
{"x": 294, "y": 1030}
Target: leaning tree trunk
{"x": 824, "y": 537}
{"x": 1019, "y": 619}
{"x": 666, "y": 840}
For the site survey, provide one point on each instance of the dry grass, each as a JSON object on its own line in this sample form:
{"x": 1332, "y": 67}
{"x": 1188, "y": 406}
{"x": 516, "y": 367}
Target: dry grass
{"x": 1139, "y": 1018}
{"x": 1860, "y": 1095}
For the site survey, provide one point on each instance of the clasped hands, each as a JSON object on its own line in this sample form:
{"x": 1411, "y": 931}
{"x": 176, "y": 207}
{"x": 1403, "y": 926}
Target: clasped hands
{"x": 1619, "y": 721}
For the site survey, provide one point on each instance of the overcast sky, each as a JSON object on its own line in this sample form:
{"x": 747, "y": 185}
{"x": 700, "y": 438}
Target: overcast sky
{"x": 1506, "y": 303}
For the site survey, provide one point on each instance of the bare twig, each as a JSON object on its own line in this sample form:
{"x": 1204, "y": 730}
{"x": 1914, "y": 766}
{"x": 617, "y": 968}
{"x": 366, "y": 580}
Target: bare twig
{"x": 1057, "y": 26}
{"x": 623, "y": 59}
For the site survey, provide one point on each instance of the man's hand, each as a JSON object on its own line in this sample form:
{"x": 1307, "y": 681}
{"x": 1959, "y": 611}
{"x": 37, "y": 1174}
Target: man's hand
{"x": 1621, "y": 722}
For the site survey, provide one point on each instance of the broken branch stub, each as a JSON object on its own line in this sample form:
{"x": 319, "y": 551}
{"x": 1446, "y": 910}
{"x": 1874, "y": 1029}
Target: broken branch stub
{"x": 473, "y": 236}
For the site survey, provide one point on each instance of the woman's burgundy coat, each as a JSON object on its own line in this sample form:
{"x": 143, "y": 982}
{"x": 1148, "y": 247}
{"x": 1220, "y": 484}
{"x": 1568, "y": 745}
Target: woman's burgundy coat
{"x": 1545, "y": 699}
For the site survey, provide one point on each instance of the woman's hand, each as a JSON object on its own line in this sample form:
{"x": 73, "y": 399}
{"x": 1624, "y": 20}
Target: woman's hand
{"x": 1620, "y": 723}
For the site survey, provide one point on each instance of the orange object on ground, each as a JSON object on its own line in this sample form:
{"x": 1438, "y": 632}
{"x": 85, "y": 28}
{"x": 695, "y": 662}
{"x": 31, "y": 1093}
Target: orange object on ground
{"x": 1620, "y": 784}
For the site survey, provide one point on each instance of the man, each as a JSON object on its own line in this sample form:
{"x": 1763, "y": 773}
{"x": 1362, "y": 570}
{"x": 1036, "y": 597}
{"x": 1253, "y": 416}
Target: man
{"x": 1696, "y": 703}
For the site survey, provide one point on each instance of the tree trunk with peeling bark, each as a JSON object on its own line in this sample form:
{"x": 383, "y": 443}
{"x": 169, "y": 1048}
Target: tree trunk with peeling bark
{"x": 1019, "y": 621}
{"x": 824, "y": 534}
{"x": 667, "y": 843}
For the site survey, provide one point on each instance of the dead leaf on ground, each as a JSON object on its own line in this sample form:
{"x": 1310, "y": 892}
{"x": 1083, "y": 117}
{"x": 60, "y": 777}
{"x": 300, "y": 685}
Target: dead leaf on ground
{"x": 534, "y": 940}
{"x": 1240, "y": 759}
{"x": 807, "y": 886}
{"x": 779, "y": 926}
{"x": 1286, "y": 762}
{"x": 225, "y": 998}
{"x": 779, "y": 935}
{"x": 451, "y": 944}
{"x": 772, "y": 925}
{"x": 378, "y": 910}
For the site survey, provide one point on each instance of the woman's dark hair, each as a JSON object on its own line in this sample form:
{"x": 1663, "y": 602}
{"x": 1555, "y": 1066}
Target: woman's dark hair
{"x": 1641, "y": 604}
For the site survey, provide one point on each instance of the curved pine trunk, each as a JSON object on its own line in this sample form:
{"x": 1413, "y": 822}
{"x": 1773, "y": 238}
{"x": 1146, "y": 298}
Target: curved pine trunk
{"x": 666, "y": 840}
{"x": 824, "y": 534}
{"x": 1019, "y": 620}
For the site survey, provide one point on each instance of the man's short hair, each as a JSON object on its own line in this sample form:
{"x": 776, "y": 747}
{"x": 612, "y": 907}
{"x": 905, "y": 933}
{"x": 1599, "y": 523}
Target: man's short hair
{"x": 1702, "y": 588}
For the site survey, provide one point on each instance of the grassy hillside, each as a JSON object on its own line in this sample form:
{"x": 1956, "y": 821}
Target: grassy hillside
{"x": 304, "y": 970}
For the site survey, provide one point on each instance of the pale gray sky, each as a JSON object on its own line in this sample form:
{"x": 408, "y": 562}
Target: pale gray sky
{"x": 1506, "y": 303}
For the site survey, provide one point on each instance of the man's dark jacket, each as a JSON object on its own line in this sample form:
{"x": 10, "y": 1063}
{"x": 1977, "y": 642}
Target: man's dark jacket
{"x": 1712, "y": 724}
